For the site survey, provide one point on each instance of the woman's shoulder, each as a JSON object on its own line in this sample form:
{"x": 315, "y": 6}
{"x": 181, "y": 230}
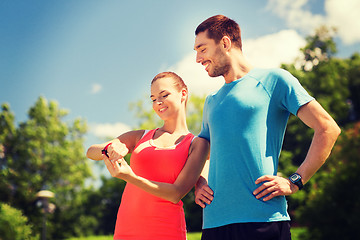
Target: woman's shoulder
{"x": 199, "y": 142}
{"x": 131, "y": 138}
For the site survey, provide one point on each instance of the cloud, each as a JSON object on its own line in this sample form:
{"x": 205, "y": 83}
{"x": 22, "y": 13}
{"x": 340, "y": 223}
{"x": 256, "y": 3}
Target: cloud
{"x": 266, "y": 52}
{"x": 104, "y": 130}
{"x": 341, "y": 14}
{"x": 295, "y": 14}
{"x": 345, "y": 16}
{"x": 95, "y": 88}
{"x": 272, "y": 50}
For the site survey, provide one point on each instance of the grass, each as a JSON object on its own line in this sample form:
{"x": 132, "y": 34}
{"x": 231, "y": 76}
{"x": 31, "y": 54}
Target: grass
{"x": 190, "y": 236}
{"x": 194, "y": 236}
{"x": 295, "y": 232}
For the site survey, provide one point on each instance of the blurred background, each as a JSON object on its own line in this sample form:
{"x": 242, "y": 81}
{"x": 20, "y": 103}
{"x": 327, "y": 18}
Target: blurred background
{"x": 75, "y": 73}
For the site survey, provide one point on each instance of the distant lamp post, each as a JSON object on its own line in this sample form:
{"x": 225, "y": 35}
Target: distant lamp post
{"x": 43, "y": 202}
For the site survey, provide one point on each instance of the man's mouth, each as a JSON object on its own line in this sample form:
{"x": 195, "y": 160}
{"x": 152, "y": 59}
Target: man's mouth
{"x": 206, "y": 64}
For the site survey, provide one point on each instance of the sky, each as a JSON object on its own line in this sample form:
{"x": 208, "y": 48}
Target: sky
{"x": 96, "y": 57}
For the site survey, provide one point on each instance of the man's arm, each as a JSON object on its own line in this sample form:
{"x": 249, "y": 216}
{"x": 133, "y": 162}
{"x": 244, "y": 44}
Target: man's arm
{"x": 203, "y": 193}
{"x": 326, "y": 131}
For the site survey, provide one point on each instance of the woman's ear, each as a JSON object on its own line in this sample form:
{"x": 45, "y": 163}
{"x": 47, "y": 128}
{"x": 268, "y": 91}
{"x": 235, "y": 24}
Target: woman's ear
{"x": 184, "y": 94}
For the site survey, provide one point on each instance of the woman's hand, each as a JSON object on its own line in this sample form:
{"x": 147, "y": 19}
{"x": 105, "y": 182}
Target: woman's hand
{"x": 119, "y": 168}
{"x": 117, "y": 150}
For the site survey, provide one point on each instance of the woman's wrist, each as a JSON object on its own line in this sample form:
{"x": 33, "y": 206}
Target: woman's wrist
{"x": 104, "y": 150}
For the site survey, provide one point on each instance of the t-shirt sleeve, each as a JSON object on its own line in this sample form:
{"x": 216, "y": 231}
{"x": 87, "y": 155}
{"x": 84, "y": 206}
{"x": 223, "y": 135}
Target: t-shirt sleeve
{"x": 205, "y": 133}
{"x": 290, "y": 92}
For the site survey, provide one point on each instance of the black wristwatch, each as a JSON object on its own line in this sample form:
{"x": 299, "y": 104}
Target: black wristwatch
{"x": 295, "y": 178}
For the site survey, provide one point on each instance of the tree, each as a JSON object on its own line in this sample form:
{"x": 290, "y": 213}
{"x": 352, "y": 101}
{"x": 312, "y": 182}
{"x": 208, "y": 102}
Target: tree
{"x": 103, "y": 203}
{"x": 354, "y": 87}
{"x": 13, "y": 224}
{"x": 44, "y": 152}
{"x": 335, "y": 83}
{"x": 333, "y": 207}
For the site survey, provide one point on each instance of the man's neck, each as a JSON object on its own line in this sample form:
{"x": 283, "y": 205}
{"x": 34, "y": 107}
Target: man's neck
{"x": 237, "y": 73}
{"x": 239, "y": 68}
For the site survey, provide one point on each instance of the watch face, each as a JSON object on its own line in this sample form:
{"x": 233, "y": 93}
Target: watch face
{"x": 294, "y": 177}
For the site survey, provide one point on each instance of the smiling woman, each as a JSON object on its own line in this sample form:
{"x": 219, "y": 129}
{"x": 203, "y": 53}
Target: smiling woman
{"x": 165, "y": 164}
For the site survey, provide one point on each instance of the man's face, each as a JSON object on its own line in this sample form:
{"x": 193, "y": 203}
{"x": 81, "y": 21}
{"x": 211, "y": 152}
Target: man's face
{"x": 211, "y": 55}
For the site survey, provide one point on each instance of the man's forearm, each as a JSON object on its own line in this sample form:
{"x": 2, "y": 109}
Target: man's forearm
{"x": 320, "y": 149}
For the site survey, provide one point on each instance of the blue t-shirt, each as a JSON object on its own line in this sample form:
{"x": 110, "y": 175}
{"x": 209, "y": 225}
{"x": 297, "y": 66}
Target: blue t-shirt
{"x": 245, "y": 122}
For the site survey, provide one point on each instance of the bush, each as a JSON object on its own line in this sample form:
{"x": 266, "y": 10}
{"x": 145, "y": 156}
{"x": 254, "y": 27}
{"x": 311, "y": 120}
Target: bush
{"x": 13, "y": 225}
{"x": 333, "y": 209}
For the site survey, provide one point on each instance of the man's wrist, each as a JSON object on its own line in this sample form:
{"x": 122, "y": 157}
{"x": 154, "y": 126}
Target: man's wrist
{"x": 296, "y": 179}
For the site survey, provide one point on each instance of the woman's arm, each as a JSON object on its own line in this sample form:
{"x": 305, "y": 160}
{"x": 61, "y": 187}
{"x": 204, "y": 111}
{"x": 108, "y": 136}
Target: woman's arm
{"x": 119, "y": 147}
{"x": 172, "y": 192}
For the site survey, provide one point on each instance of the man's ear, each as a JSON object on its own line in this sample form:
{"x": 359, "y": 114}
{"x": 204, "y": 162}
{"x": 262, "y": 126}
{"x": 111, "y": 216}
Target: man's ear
{"x": 226, "y": 42}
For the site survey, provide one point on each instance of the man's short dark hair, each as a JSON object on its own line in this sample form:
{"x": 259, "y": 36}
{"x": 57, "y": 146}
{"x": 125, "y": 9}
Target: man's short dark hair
{"x": 219, "y": 26}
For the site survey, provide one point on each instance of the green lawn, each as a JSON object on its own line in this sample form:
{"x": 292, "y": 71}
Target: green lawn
{"x": 191, "y": 236}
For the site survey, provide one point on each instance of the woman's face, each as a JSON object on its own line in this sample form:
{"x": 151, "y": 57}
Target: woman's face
{"x": 167, "y": 100}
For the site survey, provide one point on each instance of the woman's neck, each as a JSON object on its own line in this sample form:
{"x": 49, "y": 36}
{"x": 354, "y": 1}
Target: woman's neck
{"x": 176, "y": 126}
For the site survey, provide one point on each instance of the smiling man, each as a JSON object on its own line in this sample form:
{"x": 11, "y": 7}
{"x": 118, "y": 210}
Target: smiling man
{"x": 245, "y": 121}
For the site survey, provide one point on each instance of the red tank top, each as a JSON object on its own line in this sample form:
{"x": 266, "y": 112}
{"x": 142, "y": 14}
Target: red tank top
{"x": 141, "y": 215}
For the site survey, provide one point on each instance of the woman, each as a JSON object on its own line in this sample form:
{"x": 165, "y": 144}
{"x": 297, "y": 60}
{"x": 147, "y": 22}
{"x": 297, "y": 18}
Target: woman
{"x": 165, "y": 164}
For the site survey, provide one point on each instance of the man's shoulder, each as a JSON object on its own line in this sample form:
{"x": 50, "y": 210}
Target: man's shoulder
{"x": 261, "y": 73}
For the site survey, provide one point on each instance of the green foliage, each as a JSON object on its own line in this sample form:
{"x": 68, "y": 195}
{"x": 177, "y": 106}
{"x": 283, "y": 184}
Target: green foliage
{"x": 354, "y": 86}
{"x": 193, "y": 213}
{"x": 333, "y": 209}
{"x": 328, "y": 203}
{"x": 13, "y": 224}
{"x": 145, "y": 115}
{"x": 194, "y": 113}
{"x": 103, "y": 204}
{"x": 44, "y": 152}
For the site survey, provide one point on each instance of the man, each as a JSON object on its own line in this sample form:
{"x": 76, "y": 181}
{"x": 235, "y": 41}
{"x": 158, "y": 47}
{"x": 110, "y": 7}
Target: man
{"x": 245, "y": 122}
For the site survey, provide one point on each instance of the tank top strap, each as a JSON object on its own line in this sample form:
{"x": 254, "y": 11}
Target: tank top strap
{"x": 189, "y": 137}
{"x": 148, "y": 134}
{"x": 187, "y": 141}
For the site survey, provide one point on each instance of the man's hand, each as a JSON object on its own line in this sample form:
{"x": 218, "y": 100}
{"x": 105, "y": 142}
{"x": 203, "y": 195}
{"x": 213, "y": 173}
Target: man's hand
{"x": 203, "y": 193}
{"x": 273, "y": 186}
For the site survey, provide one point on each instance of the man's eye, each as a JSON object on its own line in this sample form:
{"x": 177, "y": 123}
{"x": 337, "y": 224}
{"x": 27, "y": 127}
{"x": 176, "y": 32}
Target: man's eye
{"x": 153, "y": 100}
{"x": 166, "y": 95}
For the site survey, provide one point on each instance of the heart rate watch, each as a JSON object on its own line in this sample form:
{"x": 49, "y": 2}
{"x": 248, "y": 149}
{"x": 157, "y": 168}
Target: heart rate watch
{"x": 295, "y": 178}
